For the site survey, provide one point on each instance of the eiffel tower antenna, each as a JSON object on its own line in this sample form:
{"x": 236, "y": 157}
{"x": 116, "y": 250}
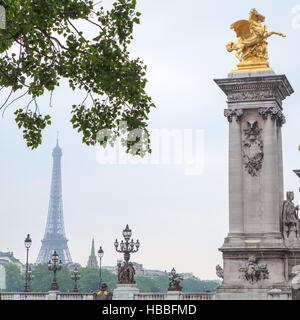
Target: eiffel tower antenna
{"x": 55, "y": 238}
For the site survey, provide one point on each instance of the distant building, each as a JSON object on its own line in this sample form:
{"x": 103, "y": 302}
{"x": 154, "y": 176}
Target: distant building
{"x": 111, "y": 269}
{"x": 186, "y": 276}
{"x": 139, "y": 270}
{"x": 154, "y": 273}
{"x": 2, "y": 278}
{"x": 8, "y": 257}
{"x": 92, "y": 262}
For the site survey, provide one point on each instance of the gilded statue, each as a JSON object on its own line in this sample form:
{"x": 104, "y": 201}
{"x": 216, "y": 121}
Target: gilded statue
{"x": 251, "y": 44}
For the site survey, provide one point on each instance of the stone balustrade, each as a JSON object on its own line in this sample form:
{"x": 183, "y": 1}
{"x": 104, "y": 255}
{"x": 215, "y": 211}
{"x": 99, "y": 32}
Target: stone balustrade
{"x": 150, "y": 296}
{"x": 45, "y": 296}
{"x": 181, "y": 296}
{"x": 197, "y": 296}
{"x": 89, "y": 296}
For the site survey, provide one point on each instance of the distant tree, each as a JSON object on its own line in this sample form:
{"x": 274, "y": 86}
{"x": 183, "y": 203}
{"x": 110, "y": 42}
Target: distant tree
{"x": 43, "y": 44}
{"x": 191, "y": 285}
{"x": 162, "y": 282}
{"x": 89, "y": 280}
{"x": 146, "y": 284}
{"x": 14, "y": 278}
{"x": 43, "y": 278}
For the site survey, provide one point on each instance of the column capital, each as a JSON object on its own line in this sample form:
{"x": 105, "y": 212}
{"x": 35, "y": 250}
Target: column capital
{"x": 275, "y": 113}
{"x": 255, "y": 89}
{"x": 230, "y": 113}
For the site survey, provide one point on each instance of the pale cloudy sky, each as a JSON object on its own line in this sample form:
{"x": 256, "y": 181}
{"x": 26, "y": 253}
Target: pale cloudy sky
{"x": 181, "y": 220}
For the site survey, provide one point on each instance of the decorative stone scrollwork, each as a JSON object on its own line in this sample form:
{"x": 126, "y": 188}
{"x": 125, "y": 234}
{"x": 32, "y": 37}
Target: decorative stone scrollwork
{"x": 251, "y": 96}
{"x": 253, "y": 152}
{"x": 275, "y": 113}
{"x": 229, "y": 114}
{"x": 253, "y": 272}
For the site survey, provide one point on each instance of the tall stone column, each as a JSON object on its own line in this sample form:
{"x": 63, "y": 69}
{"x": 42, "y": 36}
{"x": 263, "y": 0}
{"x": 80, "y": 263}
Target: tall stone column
{"x": 236, "y": 217}
{"x": 255, "y": 241}
{"x": 273, "y": 170}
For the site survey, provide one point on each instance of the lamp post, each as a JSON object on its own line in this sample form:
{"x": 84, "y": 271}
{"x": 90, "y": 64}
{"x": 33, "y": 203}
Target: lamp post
{"x": 54, "y": 266}
{"x": 75, "y": 276}
{"x": 27, "y": 243}
{"x": 100, "y": 255}
{"x": 126, "y": 272}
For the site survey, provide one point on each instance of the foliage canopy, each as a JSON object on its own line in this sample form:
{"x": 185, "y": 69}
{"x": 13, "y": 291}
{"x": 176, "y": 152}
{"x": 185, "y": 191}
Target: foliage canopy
{"x": 44, "y": 42}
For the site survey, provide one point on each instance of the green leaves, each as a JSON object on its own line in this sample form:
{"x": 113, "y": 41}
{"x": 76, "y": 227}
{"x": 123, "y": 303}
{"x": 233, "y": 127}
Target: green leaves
{"x": 14, "y": 278}
{"x": 50, "y": 46}
{"x": 32, "y": 125}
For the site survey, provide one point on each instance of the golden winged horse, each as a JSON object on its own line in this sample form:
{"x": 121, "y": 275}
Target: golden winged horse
{"x": 251, "y": 44}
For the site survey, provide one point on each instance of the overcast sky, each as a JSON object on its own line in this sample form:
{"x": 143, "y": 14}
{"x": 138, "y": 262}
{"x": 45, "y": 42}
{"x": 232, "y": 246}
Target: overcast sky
{"x": 181, "y": 220}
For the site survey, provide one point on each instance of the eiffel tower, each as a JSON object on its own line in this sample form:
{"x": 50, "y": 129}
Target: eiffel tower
{"x": 55, "y": 238}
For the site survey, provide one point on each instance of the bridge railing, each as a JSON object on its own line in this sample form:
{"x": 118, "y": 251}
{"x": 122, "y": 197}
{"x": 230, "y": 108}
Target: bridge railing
{"x": 89, "y": 296}
{"x": 180, "y": 296}
{"x": 150, "y": 296}
{"x": 45, "y": 296}
{"x": 197, "y": 296}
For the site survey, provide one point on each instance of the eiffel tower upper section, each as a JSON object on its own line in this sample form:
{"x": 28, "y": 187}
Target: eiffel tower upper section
{"x": 55, "y": 238}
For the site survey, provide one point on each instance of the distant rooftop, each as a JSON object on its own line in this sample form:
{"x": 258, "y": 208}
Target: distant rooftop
{"x": 9, "y": 256}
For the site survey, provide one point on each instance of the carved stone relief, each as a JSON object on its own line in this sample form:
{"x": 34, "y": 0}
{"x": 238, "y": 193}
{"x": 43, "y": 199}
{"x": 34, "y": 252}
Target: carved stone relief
{"x": 252, "y": 148}
{"x": 253, "y": 272}
{"x": 275, "y": 113}
{"x": 229, "y": 114}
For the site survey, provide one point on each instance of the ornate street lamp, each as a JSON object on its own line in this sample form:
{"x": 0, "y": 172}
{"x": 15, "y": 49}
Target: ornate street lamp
{"x": 27, "y": 243}
{"x": 54, "y": 266}
{"x": 100, "y": 255}
{"x": 75, "y": 276}
{"x": 126, "y": 272}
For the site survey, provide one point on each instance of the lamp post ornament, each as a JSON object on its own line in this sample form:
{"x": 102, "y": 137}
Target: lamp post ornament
{"x": 100, "y": 255}
{"x": 75, "y": 276}
{"x": 54, "y": 266}
{"x": 28, "y": 275}
{"x": 126, "y": 271}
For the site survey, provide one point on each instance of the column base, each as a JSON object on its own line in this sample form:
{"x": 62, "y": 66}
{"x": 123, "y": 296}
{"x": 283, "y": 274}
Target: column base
{"x": 249, "y": 293}
{"x": 254, "y": 240}
{"x": 53, "y": 295}
{"x": 173, "y": 295}
{"x": 125, "y": 292}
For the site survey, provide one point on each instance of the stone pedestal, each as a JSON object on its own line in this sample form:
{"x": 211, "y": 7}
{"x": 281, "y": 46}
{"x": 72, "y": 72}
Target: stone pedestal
{"x": 173, "y": 295}
{"x": 256, "y": 258}
{"x": 125, "y": 292}
{"x": 53, "y": 295}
